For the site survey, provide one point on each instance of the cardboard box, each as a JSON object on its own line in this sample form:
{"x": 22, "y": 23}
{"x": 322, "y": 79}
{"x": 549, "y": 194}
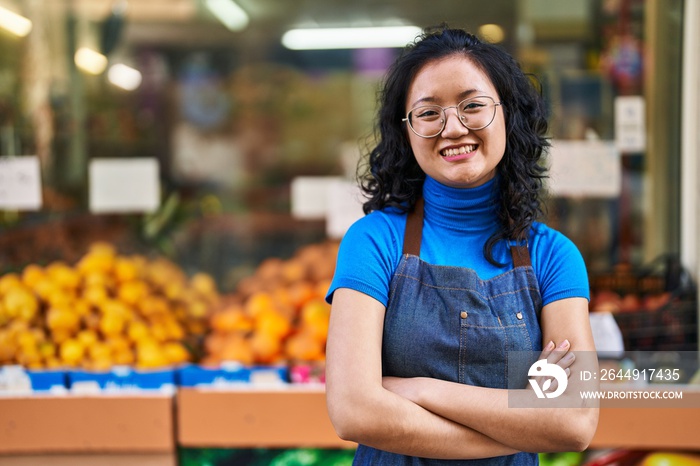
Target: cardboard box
{"x": 648, "y": 428}
{"x": 291, "y": 417}
{"x": 111, "y": 459}
{"x": 100, "y": 423}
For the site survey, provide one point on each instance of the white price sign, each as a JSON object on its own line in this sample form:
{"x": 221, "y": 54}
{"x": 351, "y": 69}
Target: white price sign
{"x": 20, "y": 183}
{"x": 584, "y": 168}
{"x": 124, "y": 185}
{"x": 630, "y": 129}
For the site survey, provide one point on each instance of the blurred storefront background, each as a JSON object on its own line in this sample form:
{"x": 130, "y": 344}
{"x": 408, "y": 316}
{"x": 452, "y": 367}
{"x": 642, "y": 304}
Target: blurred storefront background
{"x": 217, "y": 141}
{"x": 232, "y": 116}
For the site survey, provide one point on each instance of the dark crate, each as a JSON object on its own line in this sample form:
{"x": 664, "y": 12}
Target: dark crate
{"x": 673, "y": 327}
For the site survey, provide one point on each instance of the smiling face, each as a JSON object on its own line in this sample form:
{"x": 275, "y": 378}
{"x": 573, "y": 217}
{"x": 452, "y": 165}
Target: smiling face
{"x": 457, "y": 157}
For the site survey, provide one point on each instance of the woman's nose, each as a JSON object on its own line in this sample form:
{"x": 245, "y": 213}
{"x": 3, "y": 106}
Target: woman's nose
{"x": 453, "y": 124}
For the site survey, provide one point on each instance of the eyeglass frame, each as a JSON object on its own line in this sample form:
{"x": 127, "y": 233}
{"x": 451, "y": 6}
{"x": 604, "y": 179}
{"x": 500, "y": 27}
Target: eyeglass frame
{"x": 459, "y": 117}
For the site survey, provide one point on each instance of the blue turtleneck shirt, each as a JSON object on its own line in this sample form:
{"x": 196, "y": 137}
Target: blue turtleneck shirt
{"x": 456, "y": 225}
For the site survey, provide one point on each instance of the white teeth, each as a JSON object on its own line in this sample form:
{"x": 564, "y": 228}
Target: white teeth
{"x": 459, "y": 150}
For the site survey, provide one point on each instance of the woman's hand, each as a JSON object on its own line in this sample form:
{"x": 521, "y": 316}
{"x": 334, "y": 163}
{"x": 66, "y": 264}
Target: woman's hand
{"x": 406, "y": 388}
{"x": 559, "y": 355}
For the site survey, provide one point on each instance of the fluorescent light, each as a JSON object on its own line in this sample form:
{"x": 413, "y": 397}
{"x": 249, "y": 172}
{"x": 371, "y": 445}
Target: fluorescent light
{"x": 349, "y": 38}
{"x": 124, "y": 76}
{"x": 90, "y": 61}
{"x": 229, "y": 13}
{"x": 16, "y": 24}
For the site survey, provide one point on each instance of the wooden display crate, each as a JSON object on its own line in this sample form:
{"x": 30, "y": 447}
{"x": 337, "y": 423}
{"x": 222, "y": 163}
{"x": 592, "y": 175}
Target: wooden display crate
{"x": 292, "y": 417}
{"x": 85, "y": 424}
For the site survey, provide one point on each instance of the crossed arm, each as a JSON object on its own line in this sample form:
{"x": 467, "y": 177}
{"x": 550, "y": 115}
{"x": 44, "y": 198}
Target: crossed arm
{"x": 435, "y": 418}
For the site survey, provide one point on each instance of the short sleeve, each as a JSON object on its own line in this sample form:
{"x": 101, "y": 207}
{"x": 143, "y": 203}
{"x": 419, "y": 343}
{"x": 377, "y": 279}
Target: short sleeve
{"x": 367, "y": 258}
{"x": 560, "y": 269}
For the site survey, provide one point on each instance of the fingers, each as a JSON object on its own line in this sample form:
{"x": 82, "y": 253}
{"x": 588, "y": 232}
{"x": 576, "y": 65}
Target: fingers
{"x": 555, "y": 354}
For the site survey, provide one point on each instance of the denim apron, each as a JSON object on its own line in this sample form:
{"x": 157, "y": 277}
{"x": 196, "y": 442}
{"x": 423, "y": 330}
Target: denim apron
{"x": 446, "y": 323}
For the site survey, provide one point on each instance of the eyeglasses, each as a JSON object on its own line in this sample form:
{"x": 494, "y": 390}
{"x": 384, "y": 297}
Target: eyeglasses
{"x": 475, "y": 113}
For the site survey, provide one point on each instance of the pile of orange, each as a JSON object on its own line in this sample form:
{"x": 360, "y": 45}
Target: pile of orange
{"x": 277, "y": 315}
{"x": 106, "y": 310}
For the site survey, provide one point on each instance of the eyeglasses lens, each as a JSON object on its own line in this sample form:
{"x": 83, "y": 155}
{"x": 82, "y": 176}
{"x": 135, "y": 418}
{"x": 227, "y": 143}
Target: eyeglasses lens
{"x": 429, "y": 120}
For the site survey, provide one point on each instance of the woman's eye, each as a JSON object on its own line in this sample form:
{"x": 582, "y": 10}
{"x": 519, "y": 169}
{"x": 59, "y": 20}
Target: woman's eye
{"x": 427, "y": 113}
{"x": 472, "y": 106}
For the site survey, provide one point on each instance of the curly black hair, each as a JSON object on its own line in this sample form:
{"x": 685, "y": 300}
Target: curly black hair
{"x": 393, "y": 177}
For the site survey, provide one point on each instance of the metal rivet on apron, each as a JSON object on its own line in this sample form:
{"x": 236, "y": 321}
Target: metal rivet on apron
{"x": 519, "y": 315}
{"x": 463, "y": 314}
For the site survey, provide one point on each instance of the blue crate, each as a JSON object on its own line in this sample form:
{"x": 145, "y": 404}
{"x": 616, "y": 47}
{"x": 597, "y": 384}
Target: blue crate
{"x": 48, "y": 380}
{"x": 230, "y": 374}
{"x": 122, "y": 378}
{"x": 17, "y": 379}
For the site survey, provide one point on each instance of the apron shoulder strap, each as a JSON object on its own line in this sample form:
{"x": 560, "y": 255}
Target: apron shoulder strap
{"x": 521, "y": 256}
{"x": 414, "y": 229}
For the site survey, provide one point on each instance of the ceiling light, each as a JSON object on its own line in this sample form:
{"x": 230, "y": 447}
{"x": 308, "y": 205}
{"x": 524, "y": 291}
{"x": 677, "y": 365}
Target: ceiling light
{"x": 90, "y": 61}
{"x": 492, "y": 33}
{"x": 229, "y": 13}
{"x": 16, "y": 24}
{"x": 124, "y": 76}
{"x": 349, "y": 38}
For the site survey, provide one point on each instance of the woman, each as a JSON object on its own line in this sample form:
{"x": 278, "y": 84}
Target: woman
{"x": 449, "y": 273}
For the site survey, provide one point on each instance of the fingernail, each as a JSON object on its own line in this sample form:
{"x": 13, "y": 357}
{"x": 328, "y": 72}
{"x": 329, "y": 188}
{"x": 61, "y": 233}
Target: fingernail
{"x": 549, "y": 346}
{"x": 564, "y": 344}
{"x": 569, "y": 357}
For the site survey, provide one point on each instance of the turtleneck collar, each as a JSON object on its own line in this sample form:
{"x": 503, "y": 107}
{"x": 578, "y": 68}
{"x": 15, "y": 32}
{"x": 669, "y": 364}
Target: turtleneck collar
{"x": 460, "y": 208}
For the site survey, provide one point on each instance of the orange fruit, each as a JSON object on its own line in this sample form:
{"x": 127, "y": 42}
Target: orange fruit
{"x": 293, "y": 271}
{"x": 31, "y": 275}
{"x": 99, "y": 351}
{"x": 322, "y": 287}
{"x": 300, "y": 293}
{"x": 47, "y": 350}
{"x": 236, "y": 348}
{"x": 87, "y": 337}
{"x": 315, "y": 316}
{"x": 137, "y": 330}
{"x": 150, "y": 355}
{"x": 131, "y": 292}
{"x": 304, "y": 347}
{"x": 95, "y": 294}
{"x": 111, "y": 324}
{"x": 176, "y": 353}
{"x": 214, "y": 343}
{"x": 60, "y": 318}
{"x": 232, "y": 319}
{"x": 203, "y": 284}
{"x": 126, "y": 269}
{"x": 270, "y": 269}
{"x": 63, "y": 275}
{"x": 124, "y": 357}
{"x": 152, "y": 305}
{"x": 266, "y": 347}
{"x": 21, "y": 303}
{"x": 9, "y": 281}
{"x": 272, "y": 323}
{"x": 71, "y": 352}
{"x": 259, "y": 302}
